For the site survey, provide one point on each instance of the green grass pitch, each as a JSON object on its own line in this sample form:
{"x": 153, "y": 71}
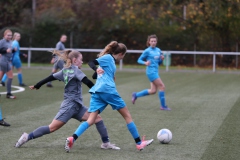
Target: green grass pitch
{"x": 204, "y": 119}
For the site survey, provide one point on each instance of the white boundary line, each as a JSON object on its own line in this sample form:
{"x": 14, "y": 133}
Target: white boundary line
{"x": 20, "y": 89}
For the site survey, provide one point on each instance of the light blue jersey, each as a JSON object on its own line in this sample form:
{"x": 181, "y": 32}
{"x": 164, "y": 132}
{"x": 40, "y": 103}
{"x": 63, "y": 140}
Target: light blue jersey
{"x": 16, "y": 54}
{"x": 105, "y": 82}
{"x": 154, "y": 56}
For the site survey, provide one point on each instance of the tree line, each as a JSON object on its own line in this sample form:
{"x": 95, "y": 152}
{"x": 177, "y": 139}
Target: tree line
{"x": 185, "y": 25}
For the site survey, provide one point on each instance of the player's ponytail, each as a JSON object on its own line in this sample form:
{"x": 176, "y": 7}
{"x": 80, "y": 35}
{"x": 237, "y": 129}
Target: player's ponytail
{"x": 113, "y": 48}
{"x": 67, "y": 56}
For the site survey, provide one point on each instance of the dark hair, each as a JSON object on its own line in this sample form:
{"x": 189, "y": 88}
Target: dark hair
{"x": 114, "y": 48}
{"x": 149, "y": 37}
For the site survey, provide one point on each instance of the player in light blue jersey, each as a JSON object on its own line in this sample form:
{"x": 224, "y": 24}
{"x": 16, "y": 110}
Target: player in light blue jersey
{"x": 72, "y": 105}
{"x": 152, "y": 58}
{"x": 104, "y": 92}
{"x": 16, "y": 61}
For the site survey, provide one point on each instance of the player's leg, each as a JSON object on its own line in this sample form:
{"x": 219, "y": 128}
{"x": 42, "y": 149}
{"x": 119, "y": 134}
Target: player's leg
{"x": 49, "y": 84}
{"x": 80, "y": 130}
{"x": 146, "y": 92}
{"x": 39, "y": 132}
{"x": 3, "y": 81}
{"x": 140, "y": 144}
{"x": 161, "y": 94}
{"x": 2, "y": 122}
{"x": 102, "y": 130}
{"x": 9, "y": 82}
{"x": 18, "y": 66}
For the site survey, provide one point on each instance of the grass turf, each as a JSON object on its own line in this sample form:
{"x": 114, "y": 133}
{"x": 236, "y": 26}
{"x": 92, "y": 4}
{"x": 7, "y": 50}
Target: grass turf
{"x": 204, "y": 119}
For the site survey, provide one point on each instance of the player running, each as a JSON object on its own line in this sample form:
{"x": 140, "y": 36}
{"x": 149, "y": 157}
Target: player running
{"x": 152, "y": 58}
{"x": 72, "y": 105}
{"x": 104, "y": 92}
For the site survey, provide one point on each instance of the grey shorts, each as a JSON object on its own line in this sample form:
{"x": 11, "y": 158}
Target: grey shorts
{"x": 5, "y": 67}
{"x": 70, "y": 110}
{"x": 58, "y": 64}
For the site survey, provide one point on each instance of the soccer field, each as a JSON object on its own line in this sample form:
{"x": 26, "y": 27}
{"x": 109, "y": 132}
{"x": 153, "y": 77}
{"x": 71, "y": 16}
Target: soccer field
{"x": 204, "y": 119}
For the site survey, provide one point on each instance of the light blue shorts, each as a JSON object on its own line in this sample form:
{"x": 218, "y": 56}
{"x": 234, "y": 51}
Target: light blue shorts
{"x": 99, "y": 102}
{"x": 17, "y": 63}
{"x": 153, "y": 76}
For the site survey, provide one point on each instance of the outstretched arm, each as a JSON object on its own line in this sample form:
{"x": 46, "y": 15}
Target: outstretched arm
{"x": 42, "y": 82}
{"x": 87, "y": 82}
{"x": 93, "y": 64}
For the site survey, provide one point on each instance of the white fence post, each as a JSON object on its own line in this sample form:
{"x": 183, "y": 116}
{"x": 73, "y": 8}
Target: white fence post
{"x": 120, "y": 64}
{"x": 167, "y": 64}
{"x": 29, "y": 57}
{"x": 214, "y": 62}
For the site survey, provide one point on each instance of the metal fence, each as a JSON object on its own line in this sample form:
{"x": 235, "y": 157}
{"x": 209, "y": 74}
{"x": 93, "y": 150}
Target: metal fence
{"x": 167, "y": 55}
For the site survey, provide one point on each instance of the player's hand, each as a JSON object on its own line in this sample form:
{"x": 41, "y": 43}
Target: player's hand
{"x": 52, "y": 61}
{"x": 100, "y": 71}
{"x": 9, "y": 50}
{"x": 32, "y": 87}
{"x": 25, "y": 55}
{"x": 147, "y": 63}
{"x": 162, "y": 57}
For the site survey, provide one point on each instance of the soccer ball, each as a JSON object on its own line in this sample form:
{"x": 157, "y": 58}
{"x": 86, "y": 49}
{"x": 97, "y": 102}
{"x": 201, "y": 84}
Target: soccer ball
{"x": 164, "y": 136}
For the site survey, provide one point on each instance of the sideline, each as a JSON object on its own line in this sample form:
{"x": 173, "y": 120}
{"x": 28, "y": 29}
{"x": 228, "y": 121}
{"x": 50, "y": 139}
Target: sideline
{"x": 19, "y": 89}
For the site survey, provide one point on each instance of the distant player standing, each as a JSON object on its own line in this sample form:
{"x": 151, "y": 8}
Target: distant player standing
{"x": 5, "y": 60}
{"x": 104, "y": 92}
{"x": 72, "y": 105}
{"x": 16, "y": 61}
{"x": 58, "y": 63}
{"x": 152, "y": 58}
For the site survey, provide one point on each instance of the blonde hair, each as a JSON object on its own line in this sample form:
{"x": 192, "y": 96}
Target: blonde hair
{"x": 7, "y": 31}
{"x": 149, "y": 37}
{"x": 113, "y": 48}
{"x": 67, "y": 56}
{"x": 15, "y": 35}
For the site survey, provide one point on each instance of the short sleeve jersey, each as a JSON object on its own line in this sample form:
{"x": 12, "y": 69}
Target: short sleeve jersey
{"x": 105, "y": 82}
{"x": 6, "y": 44}
{"x": 59, "y": 46}
{"x": 15, "y": 44}
{"x": 72, "y": 78}
{"x": 152, "y": 55}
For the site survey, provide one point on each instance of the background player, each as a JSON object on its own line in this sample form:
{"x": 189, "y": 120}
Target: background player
{"x": 58, "y": 63}
{"x": 152, "y": 58}
{"x": 16, "y": 61}
{"x": 5, "y": 60}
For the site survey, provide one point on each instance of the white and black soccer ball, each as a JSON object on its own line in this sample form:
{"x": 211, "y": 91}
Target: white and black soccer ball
{"x": 164, "y": 136}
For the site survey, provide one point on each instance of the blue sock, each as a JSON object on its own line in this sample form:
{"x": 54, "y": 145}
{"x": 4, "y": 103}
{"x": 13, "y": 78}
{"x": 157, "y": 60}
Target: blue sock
{"x": 142, "y": 93}
{"x": 20, "y": 78}
{"x": 4, "y": 78}
{"x": 133, "y": 130}
{"x": 161, "y": 95}
{"x": 0, "y": 114}
{"x": 82, "y": 128}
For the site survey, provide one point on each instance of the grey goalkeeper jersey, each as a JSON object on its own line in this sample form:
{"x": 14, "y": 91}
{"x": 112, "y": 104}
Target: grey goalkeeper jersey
{"x": 72, "y": 78}
{"x": 6, "y": 57}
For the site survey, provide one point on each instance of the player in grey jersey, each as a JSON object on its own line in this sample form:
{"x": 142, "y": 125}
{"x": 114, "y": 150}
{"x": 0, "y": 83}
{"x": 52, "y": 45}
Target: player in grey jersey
{"x": 72, "y": 105}
{"x": 58, "y": 63}
{"x": 5, "y": 60}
